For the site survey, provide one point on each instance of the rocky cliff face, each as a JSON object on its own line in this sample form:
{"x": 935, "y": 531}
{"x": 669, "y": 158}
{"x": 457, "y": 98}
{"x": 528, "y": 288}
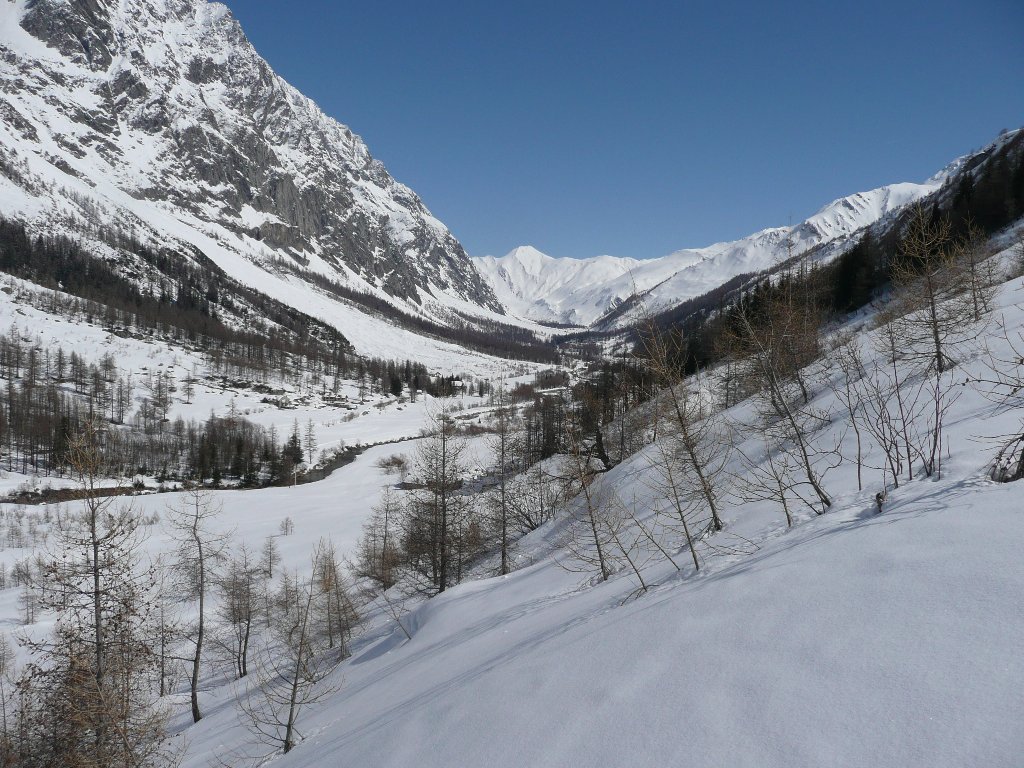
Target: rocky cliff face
{"x": 167, "y": 102}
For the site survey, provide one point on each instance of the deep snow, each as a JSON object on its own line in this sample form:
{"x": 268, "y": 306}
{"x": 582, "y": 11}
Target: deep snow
{"x": 853, "y": 639}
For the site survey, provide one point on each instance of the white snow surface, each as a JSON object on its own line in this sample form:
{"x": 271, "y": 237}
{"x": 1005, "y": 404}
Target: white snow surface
{"x": 852, "y": 639}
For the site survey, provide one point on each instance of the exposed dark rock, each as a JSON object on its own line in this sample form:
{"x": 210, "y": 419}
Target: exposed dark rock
{"x": 185, "y": 111}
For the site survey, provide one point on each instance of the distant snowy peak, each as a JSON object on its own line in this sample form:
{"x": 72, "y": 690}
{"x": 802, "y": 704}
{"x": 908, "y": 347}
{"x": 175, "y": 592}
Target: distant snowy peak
{"x": 527, "y": 261}
{"x": 535, "y": 286}
{"x": 163, "y": 107}
{"x": 849, "y": 214}
{"x": 538, "y": 287}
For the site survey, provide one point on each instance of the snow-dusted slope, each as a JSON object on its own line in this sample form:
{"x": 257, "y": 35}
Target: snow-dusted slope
{"x": 161, "y": 118}
{"x": 579, "y": 291}
{"x": 854, "y": 642}
{"x": 853, "y": 639}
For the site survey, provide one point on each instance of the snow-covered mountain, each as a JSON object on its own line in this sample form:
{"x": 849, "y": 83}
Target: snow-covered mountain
{"x": 158, "y": 117}
{"x": 533, "y": 285}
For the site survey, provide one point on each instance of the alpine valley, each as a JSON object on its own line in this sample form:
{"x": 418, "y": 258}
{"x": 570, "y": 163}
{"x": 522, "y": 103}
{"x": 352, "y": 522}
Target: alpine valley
{"x": 288, "y": 477}
{"x": 160, "y": 121}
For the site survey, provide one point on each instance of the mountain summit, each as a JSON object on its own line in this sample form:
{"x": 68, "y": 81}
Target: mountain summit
{"x": 161, "y": 118}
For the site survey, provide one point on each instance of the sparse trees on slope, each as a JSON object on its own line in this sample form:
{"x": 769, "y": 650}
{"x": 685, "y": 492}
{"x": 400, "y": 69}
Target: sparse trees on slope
{"x": 849, "y": 361}
{"x": 594, "y": 516}
{"x": 200, "y": 548}
{"x": 1004, "y": 384}
{"x": 292, "y": 668}
{"x": 378, "y": 553}
{"x": 691, "y": 425}
{"x": 980, "y": 271}
{"x": 944, "y": 290}
{"x": 336, "y": 614}
{"x": 788, "y": 412}
{"x": 439, "y": 534}
{"x": 503, "y": 447}
{"x": 776, "y": 476}
{"x": 165, "y": 626}
{"x": 270, "y": 556}
{"x": 931, "y": 313}
{"x": 241, "y": 588}
{"x": 891, "y": 404}
{"x": 86, "y": 699}
{"x": 309, "y": 441}
{"x": 532, "y": 497}
{"x": 680, "y": 499}
{"x": 189, "y": 386}
{"x": 922, "y": 395}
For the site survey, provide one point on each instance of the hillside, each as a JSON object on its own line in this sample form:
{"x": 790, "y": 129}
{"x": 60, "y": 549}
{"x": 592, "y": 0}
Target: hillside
{"x": 162, "y": 122}
{"x": 853, "y": 638}
{"x": 850, "y": 637}
{"x": 287, "y": 478}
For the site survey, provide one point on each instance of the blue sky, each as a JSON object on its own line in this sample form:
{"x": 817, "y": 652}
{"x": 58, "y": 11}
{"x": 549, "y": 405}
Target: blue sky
{"x": 639, "y": 128}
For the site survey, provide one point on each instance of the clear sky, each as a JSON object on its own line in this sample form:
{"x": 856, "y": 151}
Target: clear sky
{"x": 638, "y": 128}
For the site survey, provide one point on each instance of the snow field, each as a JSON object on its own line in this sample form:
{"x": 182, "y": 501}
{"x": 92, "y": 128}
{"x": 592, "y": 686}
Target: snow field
{"x": 852, "y": 639}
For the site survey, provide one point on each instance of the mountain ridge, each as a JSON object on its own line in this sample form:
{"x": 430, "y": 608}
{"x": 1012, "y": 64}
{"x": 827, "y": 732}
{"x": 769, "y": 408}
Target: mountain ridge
{"x": 583, "y": 291}
{"x": 163, "y": 119}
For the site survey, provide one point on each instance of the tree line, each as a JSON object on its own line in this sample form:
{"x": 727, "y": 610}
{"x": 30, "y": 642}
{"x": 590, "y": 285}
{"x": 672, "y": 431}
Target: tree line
{"x": 192, "y": 304}
{"x": 491, "y": 337}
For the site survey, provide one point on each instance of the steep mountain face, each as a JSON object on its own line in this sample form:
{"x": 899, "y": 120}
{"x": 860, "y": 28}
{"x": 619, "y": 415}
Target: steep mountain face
{"x": 589, "y": 291}
{"x": 159, "y": 116}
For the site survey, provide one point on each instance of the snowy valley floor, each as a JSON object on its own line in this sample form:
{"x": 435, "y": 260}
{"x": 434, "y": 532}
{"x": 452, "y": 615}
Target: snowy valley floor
{"x": 853, "y": 639}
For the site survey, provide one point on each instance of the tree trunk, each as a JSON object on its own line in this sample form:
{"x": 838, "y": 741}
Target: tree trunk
{"x": 196, "y": 660}
{"x": 300, "y": 658}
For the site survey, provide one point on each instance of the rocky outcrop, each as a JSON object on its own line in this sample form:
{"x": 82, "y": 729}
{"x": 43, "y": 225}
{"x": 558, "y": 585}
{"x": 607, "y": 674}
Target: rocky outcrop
{"x": 168, "y": 101}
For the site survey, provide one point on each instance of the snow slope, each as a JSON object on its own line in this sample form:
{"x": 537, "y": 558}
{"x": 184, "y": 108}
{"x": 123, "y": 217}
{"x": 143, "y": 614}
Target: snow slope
{"x": 160, "y": 119}
{"x": 853, "y": 639}
{"x": 533, "y": 285}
